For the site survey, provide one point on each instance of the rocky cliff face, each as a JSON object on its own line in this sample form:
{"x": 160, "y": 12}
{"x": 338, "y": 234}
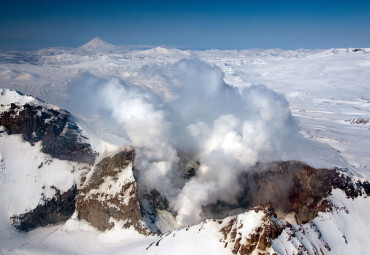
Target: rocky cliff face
{"x": 280, "y": 209}
{"x": 108, "y": 196}
{"x": 290, "y": 187}
{"x": 60, "y": 136}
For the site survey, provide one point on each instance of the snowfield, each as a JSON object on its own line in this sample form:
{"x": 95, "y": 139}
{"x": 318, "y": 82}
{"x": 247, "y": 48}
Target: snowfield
{"x": 326, "y": 89}
{"x": 328, "y": 93}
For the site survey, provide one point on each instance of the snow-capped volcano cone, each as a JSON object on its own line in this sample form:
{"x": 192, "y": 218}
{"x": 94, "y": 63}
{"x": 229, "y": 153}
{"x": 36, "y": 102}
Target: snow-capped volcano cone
{"x": 98, "y": 44}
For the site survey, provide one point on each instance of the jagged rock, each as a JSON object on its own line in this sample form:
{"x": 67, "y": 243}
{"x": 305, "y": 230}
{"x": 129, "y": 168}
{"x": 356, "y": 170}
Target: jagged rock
{"x": 259, "y": 240}
{"x": 358, "y": 121}
{"x": 110, "y": 194}
{"x": 52, "y": 211}
{"x": 190, "y": 169}
{"x": 61, "y": 138}
{"x": 290, "y": 187}
{"x": 151, "y": 202}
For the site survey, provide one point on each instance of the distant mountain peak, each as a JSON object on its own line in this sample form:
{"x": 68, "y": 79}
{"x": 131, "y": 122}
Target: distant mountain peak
{"x": 98, "y": 44}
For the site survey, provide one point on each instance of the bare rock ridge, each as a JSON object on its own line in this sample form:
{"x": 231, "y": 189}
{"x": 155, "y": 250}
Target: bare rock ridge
{"x": 259, "y": 240}
{"x": 288, "y": 187}
{"x": 60, "y": 136}
{"x": 109, "y": 192}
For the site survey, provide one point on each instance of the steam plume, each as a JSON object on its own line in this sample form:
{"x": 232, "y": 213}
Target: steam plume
{"x": 227, "y": 130}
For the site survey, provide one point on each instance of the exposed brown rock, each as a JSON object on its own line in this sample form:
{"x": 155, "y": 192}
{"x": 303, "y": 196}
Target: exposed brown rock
{"x": 289, "y": 187}
{"x": 97, "y": 204}
{"x": 259, "y": 240}
{"x": 226, "y": 230}
{"x": 110, "y": 166}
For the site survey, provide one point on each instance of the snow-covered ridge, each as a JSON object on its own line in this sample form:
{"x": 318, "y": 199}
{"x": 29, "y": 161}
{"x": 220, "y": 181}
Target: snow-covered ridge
{"x": 340, "y": 229}
{"x": 38, "y": 121}
{"x": 11, "y": 96}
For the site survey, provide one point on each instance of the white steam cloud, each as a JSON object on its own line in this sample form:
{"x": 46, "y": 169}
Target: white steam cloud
{"x": 227, "y": 130}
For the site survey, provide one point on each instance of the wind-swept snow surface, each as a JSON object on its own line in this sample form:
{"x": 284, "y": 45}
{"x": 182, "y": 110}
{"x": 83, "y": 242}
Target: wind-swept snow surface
{"x": 325, "y": 89}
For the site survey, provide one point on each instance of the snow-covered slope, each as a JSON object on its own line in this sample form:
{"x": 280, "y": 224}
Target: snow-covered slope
{"x": 327, "y": 91}
{"x": 98, "y": 44}
{"x": 28, "y": 175}
{"x": 48, "y": 170}
{"x": 41, "y": 151}
{"x": 38, "y": 121}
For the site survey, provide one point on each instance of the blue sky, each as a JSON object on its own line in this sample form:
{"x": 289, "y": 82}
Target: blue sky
{"x": 186, "y": 24}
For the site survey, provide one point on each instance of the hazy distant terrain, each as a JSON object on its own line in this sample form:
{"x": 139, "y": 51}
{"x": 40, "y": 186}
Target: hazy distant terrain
{"x": 327, "y": 89}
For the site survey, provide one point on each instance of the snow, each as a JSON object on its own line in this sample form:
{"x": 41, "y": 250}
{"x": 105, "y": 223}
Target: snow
{"x": 112, "y": 186}
{"x": 325, "y": 88}
{"x": 199, "y": 239}
{"x": 349, "y": 223}
{"x": 99, "y": 141}
{"x": 97, "y": 44}
{"x": 9, "y": 96}
{"x": 26, "y": 177}
{"x": 26, "y": 170}
{"x": 206, "y": 237}
{"x": 76, "y": 237}
{"x": 346, "y": 230}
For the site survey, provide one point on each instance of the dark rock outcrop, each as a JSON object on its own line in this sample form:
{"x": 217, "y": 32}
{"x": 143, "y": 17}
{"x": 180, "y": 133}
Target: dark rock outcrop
{"x": 358, "y": 121}
{"x": 289, "y": 187}
{"x": 52, "y": 211}
{"x": 61, "y": 138}
{"x": 151, "y": 201}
